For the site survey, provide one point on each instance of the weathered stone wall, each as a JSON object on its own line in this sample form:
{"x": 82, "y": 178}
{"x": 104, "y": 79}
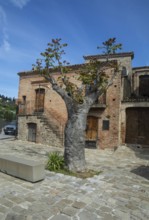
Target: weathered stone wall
{"x": 137, "y": 72}
{"x": 124, "y": 106}
{"x": 133, "y": 103}
{"x": 55, "y": 106}
{"x": 44, "y": 134}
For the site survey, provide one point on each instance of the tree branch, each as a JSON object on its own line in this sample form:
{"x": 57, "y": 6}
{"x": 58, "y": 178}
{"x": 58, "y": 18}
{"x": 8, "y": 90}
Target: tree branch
{"x": 67, "y": 99}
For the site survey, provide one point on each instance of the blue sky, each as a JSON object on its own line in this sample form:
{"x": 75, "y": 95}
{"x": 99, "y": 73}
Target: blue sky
{"x": 26, "y": 26}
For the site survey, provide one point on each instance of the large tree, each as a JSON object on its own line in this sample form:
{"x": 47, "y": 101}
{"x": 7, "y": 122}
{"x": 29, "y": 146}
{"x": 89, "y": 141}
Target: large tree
{"x": 92, "y": 82}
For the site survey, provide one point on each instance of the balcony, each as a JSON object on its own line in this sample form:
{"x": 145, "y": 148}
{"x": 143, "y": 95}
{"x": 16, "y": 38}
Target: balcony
{"x": 26, "y": 108}
{"x": 135, "y": 99}
{"x": 30, "y": 108}
{"x": 100, "y": 103}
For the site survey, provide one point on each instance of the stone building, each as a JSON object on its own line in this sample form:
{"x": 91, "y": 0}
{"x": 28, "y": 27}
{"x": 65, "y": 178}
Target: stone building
{"x": 119, "y": 116}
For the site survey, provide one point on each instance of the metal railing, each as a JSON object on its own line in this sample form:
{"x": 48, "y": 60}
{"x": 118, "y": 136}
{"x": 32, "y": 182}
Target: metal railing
{"x": 101, "y": 102}
{"x": 26, "y": 108}
{"x": 55, "y": 120}
{"x": 135, "y": 99}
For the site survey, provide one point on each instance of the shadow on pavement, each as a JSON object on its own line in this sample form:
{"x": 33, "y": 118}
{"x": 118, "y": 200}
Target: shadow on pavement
{"x": 6, "y": 138}
{"x": 140, "y": 151}
{"x": 142, "y": 171}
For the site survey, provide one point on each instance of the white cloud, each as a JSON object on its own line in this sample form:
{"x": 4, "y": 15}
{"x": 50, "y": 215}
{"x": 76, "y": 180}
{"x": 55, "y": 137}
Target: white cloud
{"x": 19, "y": 3}
{"x": 4, "y": 43}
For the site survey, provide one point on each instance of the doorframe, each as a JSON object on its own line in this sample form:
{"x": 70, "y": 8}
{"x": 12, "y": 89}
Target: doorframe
{"x": 97, "y": 138}
{"x": 37, "y": 107}
{"x": 29, "y": 124}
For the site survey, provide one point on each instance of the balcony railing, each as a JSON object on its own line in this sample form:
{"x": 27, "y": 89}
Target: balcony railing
{"x": 26, "y": 108}
{"x": 29, "y": 109}
{"x": 101, "y": 102}
{"x": 136, "y": 99}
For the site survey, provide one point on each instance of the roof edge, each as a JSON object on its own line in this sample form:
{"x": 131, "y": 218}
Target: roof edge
{"x": 115, "y": 55}
{"x": 36, "y": 72}
{"x": 140, "y": 67}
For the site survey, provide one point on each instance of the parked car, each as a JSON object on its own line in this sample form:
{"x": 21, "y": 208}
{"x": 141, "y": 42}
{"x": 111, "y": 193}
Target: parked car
{"x": 10, "y": 129}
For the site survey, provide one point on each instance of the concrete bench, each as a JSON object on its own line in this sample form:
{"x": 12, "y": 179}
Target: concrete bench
{"x": 26, "y": 169}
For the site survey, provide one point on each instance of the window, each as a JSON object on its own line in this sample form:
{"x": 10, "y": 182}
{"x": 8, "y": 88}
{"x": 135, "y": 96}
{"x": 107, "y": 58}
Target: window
{"x": 124, "y": 71}
{"x": 24, "y": 99}
{"x": 144, "y": 86}
{"x": 105, "y": 124}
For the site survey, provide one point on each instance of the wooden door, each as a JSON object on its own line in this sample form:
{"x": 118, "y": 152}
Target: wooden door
{"x": 143, "y": 126}
{"x": 137, "y": 126}
{"x": 32, "y": 127}
{"x": 131, "y": 125}
{"x": 92, "y": 128}
{"x": 39, "y": 102}
{"x": 91, "y": 132}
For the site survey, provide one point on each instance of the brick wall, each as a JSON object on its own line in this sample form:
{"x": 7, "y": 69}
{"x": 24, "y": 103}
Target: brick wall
{"x": 55, "y": 106}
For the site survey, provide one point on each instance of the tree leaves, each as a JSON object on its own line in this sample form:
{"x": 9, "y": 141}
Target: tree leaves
{"x": 110, "y": 46}
{"x": 91, "y": 76}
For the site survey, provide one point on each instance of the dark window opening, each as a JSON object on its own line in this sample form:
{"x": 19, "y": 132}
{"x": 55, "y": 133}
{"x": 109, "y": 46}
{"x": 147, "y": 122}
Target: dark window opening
{"x": 105, "y": 125}
{"x": 144, "y": 86}
{"x": 24, "y": 98}
{"x": 124, "y": 71}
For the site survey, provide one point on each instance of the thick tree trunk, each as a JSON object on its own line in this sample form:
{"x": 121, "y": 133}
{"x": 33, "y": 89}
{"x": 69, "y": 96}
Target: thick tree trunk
{"x": 75, "y": 140}
{"x": 74, "y": 153}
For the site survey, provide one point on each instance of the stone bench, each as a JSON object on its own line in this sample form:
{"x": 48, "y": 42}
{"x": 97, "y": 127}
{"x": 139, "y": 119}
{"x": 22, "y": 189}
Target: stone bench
{"x": 26, "y": 169}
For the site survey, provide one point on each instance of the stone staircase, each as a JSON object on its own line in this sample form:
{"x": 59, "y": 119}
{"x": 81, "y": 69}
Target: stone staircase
{"x": 50, "y": 124}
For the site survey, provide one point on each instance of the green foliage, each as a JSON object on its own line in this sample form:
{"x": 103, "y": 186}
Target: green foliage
{"x": 92, "y": 75}
{"x": 7, "y": 108}
{"x": 53, "y": 56}
{"x": 55, "y": 162}
{"x": 9, "y": 116}
{"x": 110, "y": 46}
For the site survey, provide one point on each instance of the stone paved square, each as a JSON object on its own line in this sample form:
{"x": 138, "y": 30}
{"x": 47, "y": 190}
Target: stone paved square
{"x": 119, "y": 192}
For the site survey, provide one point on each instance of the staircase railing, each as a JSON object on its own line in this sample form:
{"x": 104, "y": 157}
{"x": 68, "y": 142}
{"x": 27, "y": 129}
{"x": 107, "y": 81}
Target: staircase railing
{"x": 57, "y": 120}
{"x": 136, "y": 99}
{"x": 52, "y": 116}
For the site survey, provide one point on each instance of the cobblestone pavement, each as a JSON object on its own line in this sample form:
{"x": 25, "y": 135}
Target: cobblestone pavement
{"x": 120, "y": 192}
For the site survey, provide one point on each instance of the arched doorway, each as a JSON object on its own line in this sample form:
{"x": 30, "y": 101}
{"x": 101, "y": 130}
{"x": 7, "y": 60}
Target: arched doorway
{"x": 32, "y": 128}
{"x": 39, "y": 101}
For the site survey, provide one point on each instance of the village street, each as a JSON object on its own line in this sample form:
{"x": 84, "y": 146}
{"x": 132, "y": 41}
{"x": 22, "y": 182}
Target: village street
{"x": 120, "y": 192}
{"x": 3, "y": 136}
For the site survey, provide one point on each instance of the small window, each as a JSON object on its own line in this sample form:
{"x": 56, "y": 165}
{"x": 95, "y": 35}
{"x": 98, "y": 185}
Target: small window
{"x": 144, "y": 86}
{"x": 105, "y": 125}
{"x": 124, "y": 71}
{"x": 24, "y": 98}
